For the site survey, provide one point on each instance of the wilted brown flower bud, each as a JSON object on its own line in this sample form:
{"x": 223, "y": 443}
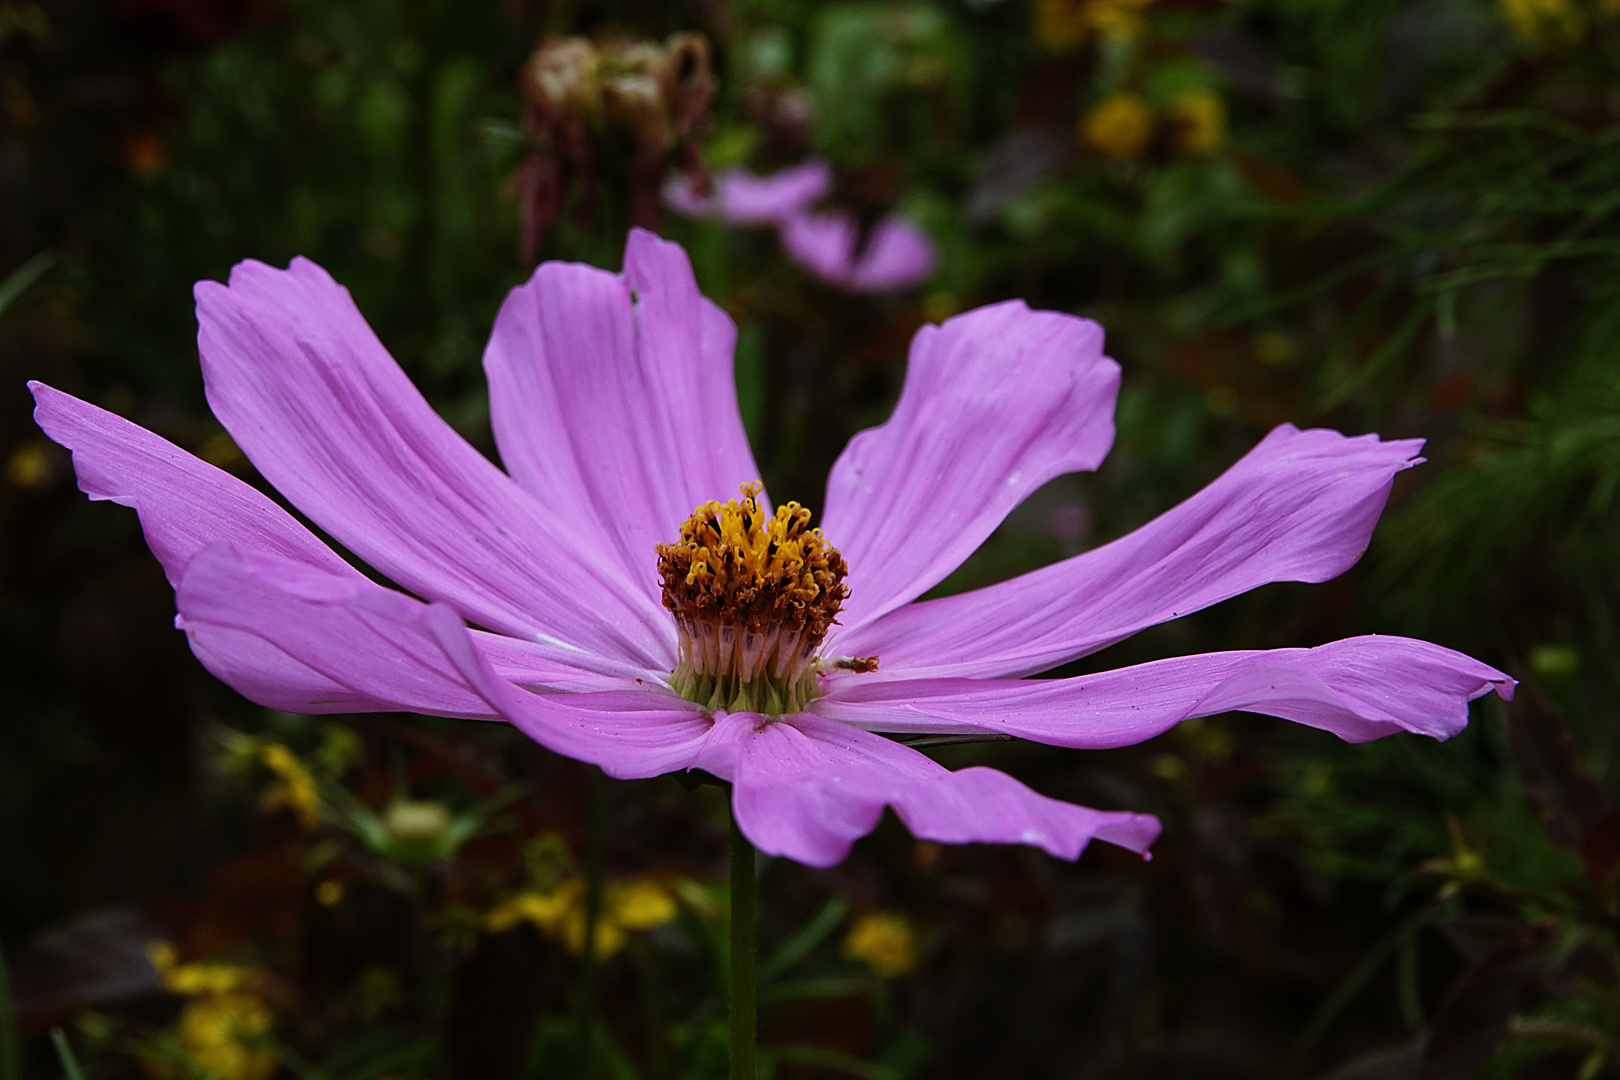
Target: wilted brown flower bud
{"x": 784, "y": 114}
{"x": 656, "y": 95}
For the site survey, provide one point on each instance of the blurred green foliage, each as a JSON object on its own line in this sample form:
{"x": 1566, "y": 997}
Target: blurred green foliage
{"x": 1391, "y": 215}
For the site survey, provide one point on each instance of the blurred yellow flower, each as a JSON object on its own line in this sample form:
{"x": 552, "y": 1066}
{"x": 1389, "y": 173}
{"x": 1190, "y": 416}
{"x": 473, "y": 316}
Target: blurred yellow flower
{"x": 641, "y": 905}
{"x": 1066, "y": 25}
{"x": 30, "y": 465}
{"x": 884, "y": 942}
{"x": 295, "y": 790}
{"x": 545, "y": 910}
{"x": 626, "y": 906}
{"x": 1549, "y": 24}
{"x": 1061, "y": 25}
{"x": 223, "y": 1032}
{"x": 417, "y": 822}
{"x": 193, "y": 979}
{"x": 227, "y": 1018}
{"x": 1119, "y": 128}
{"x": 1117, "y": 18}
{"x": 1199, "y": 117}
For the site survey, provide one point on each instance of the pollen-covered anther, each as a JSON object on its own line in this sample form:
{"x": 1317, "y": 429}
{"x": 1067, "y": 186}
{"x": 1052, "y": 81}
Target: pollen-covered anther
{"x": 753, "y": 595}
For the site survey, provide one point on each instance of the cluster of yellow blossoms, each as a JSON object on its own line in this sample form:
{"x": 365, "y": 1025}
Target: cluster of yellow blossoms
{"x": 1555, "y": 24}
{"x": 226, "y": 1022}
{"x": 1066, "y": 25}
{"x": 1123, "y": 125}
{"x": 559, "y": 913}
{"x": 884, "y": 942}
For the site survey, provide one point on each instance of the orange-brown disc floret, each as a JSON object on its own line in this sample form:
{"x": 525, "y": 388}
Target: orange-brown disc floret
{"x": 753, "y": 595}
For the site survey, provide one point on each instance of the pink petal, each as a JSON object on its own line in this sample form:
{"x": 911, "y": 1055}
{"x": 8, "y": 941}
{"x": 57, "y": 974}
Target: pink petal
{"x": 344, "y": 629}
{"x": 621, "y": 412}
{"x": 1300, "y": 506}
{"x": 806, "y": 788}
{"x": 897, "y": 255}
{"x": 267, "y": 676}
{"x": 744, "y": 198}
{"x": 1360, "y": 689}
{"x": 387, "y": 649}
{"x": 630, "y": 733}
{"x": 310, "y": 395}
{"x": 252, "y": 617}
{"x": 184, "y": 504}
{"x": 996, "y": 402}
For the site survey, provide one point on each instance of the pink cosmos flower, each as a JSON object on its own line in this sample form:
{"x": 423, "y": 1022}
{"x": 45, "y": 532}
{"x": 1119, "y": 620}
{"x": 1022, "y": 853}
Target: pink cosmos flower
{"x": 897, "y": 254}
{"x": 744, "y": 198}
{"x": 612, "y": 596}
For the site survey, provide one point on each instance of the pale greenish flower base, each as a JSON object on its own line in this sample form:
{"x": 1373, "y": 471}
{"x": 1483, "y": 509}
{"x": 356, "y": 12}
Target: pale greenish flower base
{"x": 773, "y": 697}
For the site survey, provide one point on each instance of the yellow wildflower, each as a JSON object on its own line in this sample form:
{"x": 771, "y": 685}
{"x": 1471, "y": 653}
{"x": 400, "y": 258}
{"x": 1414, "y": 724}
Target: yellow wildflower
{"x": 1548, "y": 24}
{"x": 1199, "y": 117}
{"x": 545, "y": 910}
{"x": 1066, "y": 25}
{"x": 1061, "y": 25}
{"x": 1117, "y": 18}
{"x": 30, "y": 465}
{"x": 194, "y": 979}
{"x": 1119, "y": 128}
{"x": 226, "y": 1018}
{"x": 641, "y": 905}
{"x": 560, "y": 913}
{"x": 884, "y": 942}
{"x": 221, "y": 1031}
{"x": 417, "y": 822}
{"x": 296, "y": 790}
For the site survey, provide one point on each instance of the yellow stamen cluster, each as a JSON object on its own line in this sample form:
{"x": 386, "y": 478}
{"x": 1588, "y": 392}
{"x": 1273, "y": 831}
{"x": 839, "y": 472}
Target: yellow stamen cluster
{"x": 753, "y": 595}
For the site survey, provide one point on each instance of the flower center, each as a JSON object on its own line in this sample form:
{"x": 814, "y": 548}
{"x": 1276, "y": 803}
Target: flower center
{"x": 753, "y": 595}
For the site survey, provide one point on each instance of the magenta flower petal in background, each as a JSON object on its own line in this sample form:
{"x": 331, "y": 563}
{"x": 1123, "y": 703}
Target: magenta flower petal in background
{"x": 896, "y": 255}
{"x": 744, "y": 198}
{"x": 624, "y": 610}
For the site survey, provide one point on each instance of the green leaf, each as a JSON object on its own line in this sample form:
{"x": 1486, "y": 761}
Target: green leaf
{"x": 64, "y": 1054}
{"x": 803, "y": 943}
{"x": 24, "y": 276}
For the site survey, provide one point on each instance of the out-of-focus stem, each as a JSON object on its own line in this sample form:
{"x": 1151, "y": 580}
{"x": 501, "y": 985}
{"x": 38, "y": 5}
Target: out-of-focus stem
{"x": 744, "y": 897}
{"x": 595, "y": 853}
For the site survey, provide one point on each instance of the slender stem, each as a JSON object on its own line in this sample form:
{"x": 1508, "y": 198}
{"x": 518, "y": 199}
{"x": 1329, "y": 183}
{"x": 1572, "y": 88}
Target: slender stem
{"x": 595, "y": 851}
{"x": 10, "y": 1061}
{"x": 652, "y": 1004}
{"x": 744, "y": 898}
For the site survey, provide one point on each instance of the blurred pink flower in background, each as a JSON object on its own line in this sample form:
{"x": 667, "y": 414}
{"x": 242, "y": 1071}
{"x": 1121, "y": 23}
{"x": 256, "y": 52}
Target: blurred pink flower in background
{"x": 551, "y": 598}
{"x": 743, "y": 198}
{"x": 896, "y": 254}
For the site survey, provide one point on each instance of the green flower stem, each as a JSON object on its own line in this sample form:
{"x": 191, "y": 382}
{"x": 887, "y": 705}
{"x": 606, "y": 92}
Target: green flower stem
{"x": 744, "y": 898}
{"x": 595, "y": 853}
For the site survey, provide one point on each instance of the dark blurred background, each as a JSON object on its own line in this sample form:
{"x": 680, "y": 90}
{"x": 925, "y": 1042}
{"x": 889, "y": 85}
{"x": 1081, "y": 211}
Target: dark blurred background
{"x": 1399, "y": 216}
